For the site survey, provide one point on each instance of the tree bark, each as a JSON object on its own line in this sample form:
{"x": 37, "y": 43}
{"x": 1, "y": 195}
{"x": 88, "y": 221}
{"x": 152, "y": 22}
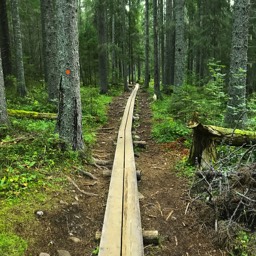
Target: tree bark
{"x": 156, "y": 51}
{"x": 147, "y": 72}
{"x": 50, "y": 47}
{"x": 236, "y": 107}
{"x": 5, "y": 40}
{"x": 69, "y": 123}
{"x": 169, "y": 47}
{"x": 124, "y": 46}
{"x": 3, "y": 109}
{"x": 21, "y": 85}
{"x": 162, "y": 41}
{"x": 180, "y": 43}
{"x": 102, "y": 47}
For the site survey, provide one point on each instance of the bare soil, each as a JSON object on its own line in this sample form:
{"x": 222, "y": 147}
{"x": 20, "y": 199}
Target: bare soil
{"x": 166, "y": 206}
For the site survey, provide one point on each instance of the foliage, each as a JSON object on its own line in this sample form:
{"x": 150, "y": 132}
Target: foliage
{"x": 12, "y": 245}
{"x": 30, "y": 149}
{"x": 251, "y": 105}
{"x": 183, "y": 168}
{"x": 209, "y": 101}
{"x": 36, "y": 100}
{"x": 244, "y": 244}
{"x": 96, "y": 251}
{"x": 165, "y": 128}
{"x": 169, "y": 130}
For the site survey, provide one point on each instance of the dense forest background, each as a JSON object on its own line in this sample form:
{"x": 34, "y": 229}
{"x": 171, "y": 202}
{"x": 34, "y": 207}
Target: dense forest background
{"x": 67, "y": 58}
{"x": 170, "y": 43}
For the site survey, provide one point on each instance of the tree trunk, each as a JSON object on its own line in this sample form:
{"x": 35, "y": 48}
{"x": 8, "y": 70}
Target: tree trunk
{"x": 103, "y": 53}
{"x": 236, "y": 107}
{"x": 5, "y": 40}
{"x": 156, "y": 51}
{"x": 180, "y": 43}
{"x": 50, "y": 47}
{"x": 162, "y": 42}
{"x": 3, "y": 109}
{"x": 169, "y": 47}
{"x": 69, "y": 123}
{"x": 124, "y": 47}
{"x": 147, "y": 74}
{"x": 21, "y": 85}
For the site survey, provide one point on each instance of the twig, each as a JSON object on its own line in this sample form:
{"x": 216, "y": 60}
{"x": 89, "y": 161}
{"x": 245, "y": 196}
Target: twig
{"x": 234, "y": 213}
{"x": 169, "y": 215}
{"x": 246, "y": 197}
{"x": 80, "y": 190}
{"x": 159, "y": 207}
{"x": 186, "y": 210}
{"x": 176, "y": 240}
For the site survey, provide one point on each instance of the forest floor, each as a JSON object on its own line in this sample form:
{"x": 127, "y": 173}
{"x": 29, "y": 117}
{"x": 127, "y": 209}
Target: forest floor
{"x": 166, "y": 205}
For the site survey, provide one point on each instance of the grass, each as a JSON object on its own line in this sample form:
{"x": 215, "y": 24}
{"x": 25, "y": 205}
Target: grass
{"x": 33, "y": 165}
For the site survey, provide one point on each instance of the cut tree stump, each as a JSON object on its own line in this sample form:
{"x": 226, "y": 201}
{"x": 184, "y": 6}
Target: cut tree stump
{"x": 206, "y": 137}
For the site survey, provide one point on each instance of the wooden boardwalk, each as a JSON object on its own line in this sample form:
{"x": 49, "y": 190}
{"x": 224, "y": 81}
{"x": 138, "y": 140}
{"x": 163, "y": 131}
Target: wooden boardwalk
{"x": 122, "y": 232}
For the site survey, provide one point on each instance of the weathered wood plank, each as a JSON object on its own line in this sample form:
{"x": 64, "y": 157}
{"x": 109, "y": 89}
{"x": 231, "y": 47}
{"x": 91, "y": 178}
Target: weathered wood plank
{"x": 132, "y": 240}
{"x": 111, "y": 240}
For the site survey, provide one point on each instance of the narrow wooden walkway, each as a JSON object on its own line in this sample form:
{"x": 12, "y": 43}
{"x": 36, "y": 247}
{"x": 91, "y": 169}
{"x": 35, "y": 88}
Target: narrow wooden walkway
{"x": 122, "y": 232}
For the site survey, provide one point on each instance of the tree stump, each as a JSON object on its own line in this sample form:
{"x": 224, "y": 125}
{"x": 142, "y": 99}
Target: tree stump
{"x": 205, "y": 138}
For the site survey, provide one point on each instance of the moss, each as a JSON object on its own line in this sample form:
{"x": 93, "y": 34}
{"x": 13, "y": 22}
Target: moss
{"x": 31, "y": 114}
{"x": 227, "y": 131}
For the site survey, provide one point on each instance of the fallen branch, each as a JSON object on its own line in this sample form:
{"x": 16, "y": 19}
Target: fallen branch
{"x": 80, "y": 190}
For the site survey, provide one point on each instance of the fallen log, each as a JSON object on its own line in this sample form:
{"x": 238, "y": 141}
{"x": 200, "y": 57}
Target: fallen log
{"x": 31, "y": 114}
{"x": 206, "y": 137}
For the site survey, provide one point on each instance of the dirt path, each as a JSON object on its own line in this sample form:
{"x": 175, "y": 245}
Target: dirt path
{"x": 163, "y": 207}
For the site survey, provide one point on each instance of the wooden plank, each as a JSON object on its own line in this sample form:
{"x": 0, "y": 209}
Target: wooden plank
{"x": 132, "y": 239}
{"x": 111, "y": 240}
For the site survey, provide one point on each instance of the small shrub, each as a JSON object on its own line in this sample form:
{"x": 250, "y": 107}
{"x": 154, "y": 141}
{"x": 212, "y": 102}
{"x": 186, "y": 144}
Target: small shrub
{"x": 183, "y": 168}
{"x": 168, "y": 130}
{"x": 244, "y": 244}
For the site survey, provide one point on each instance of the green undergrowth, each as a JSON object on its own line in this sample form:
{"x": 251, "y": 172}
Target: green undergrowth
{"x": 165, "y": 128}
{"x": 11, "y": 244}
{"x": 34, "y": 166}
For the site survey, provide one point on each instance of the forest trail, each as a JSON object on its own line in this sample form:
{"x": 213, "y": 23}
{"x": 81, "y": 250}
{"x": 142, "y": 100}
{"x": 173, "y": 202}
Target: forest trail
{"x": 166, "y": 206}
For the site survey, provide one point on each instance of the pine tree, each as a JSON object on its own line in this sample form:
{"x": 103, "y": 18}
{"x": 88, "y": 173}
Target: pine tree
{"x": 21, "y": 85}
{"x": 236, "y": 106}
{"x": 102, "y": 47}
{"x": 69, "y": 123}
{"x": 180, "y": 43}
{"x": 147, "y": 46}
{"x": 5, "y": 39}
{"x": 156, "y": 51}
{"x": 50, "y": 47}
